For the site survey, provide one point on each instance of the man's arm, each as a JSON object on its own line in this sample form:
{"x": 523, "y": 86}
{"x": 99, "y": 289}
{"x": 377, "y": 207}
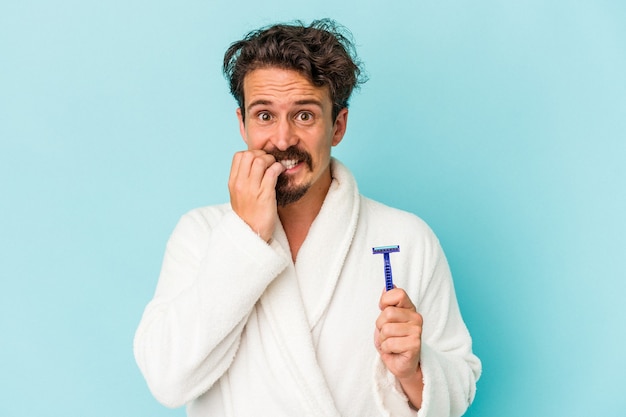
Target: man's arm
{"x": 398, "y": 340}
{"x": 252, "y": 187}
{"x": 449, "y": 370}
{"x": 214, "y": 270}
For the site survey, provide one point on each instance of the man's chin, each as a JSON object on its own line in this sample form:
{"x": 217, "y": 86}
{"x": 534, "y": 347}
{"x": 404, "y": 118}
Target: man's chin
{"x": 286, "y": 196}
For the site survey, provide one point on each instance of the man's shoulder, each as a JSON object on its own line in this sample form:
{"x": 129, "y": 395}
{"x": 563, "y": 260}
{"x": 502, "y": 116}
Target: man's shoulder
{"x": 392, "y": 216}
{"x": 210, "y": 210}
{"x": 379, "y": 208}
{"x": 206, "y": 215}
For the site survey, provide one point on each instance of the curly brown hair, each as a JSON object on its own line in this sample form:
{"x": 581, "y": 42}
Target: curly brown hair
{"x": 323, "y": 52}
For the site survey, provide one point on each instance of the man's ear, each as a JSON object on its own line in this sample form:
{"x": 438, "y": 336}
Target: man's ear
{"x": 341, "y": 124}
{"x": 242, "y": 127}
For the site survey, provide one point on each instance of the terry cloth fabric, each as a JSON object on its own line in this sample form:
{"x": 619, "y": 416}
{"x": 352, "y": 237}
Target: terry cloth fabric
{"x": 236, "y": 328}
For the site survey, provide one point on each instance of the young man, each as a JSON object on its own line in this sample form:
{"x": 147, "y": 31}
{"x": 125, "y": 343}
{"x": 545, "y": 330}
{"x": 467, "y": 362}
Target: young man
{"x": 268, "y": 305}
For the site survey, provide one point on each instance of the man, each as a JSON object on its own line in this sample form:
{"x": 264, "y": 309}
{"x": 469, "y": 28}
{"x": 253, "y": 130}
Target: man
{"x": 268, "y": 305}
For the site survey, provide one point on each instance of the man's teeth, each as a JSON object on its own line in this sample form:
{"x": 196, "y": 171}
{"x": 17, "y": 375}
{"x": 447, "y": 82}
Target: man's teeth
{"x": 289, "y": 163}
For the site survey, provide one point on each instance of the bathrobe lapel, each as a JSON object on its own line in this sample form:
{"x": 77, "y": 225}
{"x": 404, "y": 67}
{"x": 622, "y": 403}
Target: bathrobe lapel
{"x": 323, "y": 253}
{"x": 319, "y": 263}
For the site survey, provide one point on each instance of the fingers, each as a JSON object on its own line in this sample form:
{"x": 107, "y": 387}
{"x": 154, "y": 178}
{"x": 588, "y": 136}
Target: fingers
{"x": 398, "y": 333}
{"x": 271, "y": 174}
{"x": 252, "y": 182}
{"x": 391, "y": 315}
{"x": 250, "y": 168}
{"x": 399, "y": 338}
{"x": 396, "y": 297}
{"x": 399, "y": 326}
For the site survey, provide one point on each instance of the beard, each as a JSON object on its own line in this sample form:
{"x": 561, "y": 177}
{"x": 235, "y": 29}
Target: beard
{"x": 286, "y": 191}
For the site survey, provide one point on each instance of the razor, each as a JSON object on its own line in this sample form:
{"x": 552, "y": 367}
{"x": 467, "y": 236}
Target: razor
{"x": 386, "y": 250}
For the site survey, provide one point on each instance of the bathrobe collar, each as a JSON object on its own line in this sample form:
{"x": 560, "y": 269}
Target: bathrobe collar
{"x": 315, "y": 275}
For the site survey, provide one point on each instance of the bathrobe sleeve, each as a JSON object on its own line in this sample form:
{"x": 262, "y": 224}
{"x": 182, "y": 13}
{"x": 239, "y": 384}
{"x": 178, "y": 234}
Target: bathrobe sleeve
{"x": 450, "y": 369}
{"x": 214, "y": 270}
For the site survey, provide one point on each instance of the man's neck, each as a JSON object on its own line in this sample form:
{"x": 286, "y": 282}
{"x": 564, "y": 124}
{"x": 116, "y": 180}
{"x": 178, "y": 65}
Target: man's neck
{"x": 298, "y": 217}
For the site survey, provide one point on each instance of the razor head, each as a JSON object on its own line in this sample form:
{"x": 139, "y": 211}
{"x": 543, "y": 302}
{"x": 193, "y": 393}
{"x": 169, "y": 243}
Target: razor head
{"x": 386, "y": 249}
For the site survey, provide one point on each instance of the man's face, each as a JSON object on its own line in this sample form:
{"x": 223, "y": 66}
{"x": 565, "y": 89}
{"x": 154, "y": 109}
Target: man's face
{"x": 290, "y": 118}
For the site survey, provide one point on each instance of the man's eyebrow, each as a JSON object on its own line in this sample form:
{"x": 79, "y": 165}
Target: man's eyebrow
{"x": 309, "y": 101}
{"x": 258, "y": 103}
{"x": 303, "y": 102}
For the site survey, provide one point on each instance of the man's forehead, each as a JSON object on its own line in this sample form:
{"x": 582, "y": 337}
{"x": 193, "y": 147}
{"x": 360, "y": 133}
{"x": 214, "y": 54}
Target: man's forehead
{"x": 273, "y": 84}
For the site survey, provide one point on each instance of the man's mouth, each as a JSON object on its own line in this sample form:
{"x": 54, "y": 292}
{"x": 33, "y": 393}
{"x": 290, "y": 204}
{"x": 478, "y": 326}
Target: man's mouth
{"x": 292, "y": 157}
{"x": 289, "y": 163}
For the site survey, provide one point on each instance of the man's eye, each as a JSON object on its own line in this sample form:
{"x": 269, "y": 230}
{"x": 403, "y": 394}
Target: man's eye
{"x": 264, "y": 117}
{"x": 305, "y": 116}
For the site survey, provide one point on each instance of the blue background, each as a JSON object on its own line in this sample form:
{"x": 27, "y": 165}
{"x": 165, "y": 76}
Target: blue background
{"x": 502, "y": 124}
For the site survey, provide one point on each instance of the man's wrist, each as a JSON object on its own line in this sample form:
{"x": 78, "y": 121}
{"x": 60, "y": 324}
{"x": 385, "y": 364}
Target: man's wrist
{"x": 413, "y": 387}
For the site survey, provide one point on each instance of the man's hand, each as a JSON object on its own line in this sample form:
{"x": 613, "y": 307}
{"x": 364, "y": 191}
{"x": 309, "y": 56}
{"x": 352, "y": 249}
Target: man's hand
{"x": 398, "y": 339}
{"x": 252, "y": 183}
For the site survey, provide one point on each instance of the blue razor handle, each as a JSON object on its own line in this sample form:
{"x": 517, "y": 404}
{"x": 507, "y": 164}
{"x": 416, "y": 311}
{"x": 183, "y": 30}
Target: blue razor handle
{"x": 386, "y": 250}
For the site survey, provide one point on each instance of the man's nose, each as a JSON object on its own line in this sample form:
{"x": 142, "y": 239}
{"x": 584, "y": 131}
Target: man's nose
{"x": 285, "y": 135}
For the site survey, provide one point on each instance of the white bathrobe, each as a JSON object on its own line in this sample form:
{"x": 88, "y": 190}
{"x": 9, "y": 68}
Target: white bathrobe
{"x": 237, "y": 329}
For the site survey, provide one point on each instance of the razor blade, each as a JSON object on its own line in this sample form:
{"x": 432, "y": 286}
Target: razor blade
{"x": 386, "y": 250}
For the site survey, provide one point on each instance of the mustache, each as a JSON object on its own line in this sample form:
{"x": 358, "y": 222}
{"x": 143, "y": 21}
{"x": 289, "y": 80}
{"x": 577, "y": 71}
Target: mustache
{"x": 293, "y": 152}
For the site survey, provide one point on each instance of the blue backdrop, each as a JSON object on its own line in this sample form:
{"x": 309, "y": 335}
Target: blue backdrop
{"x": 502, "y": 124}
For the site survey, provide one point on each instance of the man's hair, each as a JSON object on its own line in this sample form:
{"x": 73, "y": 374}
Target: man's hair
{"x": 322, "y": 52}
